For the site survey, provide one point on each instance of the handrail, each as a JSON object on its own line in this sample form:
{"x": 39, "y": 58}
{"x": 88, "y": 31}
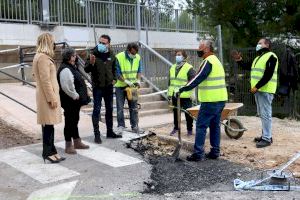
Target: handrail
{"x": 12, "y": 76}
{"x": 156, "y": 54}
{"x": 17, "y": 102}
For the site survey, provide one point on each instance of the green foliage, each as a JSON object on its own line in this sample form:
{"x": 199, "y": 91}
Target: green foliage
{"x": 247, "y": 20}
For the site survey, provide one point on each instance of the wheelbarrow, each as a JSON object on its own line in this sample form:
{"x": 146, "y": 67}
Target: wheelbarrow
{"x": 233, "y": 127}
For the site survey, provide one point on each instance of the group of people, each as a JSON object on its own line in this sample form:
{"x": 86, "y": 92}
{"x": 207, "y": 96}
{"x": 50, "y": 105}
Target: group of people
{"x": 66, "y": 88}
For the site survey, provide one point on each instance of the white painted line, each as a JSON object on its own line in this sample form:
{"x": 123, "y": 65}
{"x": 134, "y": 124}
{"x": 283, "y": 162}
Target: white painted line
{"x": 58, "y": 192}
{"x": 105, "y": 155}
{"x": 127, "y": 136}
{"x": 33, "y": 166}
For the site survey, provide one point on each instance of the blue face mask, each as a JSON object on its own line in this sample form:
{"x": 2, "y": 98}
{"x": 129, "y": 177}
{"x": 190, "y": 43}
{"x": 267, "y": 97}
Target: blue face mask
{"x": 102, "y": 48}
{"x": 258, "y": 47}
{"x": 179, "y": 59}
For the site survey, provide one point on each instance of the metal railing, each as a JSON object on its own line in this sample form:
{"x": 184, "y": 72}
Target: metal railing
{"x": 97, "y": 13}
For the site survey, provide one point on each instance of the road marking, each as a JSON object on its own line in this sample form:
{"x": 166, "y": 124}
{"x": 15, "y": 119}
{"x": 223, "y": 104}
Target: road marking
{"x": 33, "y": 166}
{"x": 105, "y": 155}
{"x": 58, "y": 192}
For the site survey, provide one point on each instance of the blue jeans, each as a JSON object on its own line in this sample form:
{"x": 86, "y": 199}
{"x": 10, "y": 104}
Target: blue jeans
{"x": 209, "y": 116}
{"x": 120, "y": 99}
{"x": 107, "y": 94}
{"x": 264, "y": 110}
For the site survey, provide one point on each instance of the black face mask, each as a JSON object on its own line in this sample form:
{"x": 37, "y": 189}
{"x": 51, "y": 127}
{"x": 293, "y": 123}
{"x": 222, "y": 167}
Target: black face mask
{"x": 54, "y": 46}
{"x": 200, "y": 53}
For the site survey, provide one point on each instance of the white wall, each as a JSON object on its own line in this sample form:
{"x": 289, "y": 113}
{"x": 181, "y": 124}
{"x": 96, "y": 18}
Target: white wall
{"x": 26, "y": 34}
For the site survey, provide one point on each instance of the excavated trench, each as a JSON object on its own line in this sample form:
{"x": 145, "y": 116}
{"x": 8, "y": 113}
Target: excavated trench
{"x": 170, "y": 176}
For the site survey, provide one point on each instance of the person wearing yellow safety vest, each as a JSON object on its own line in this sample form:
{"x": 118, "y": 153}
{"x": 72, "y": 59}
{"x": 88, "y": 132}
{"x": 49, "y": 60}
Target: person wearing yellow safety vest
{"x": 128, "y": 70}
{"x": 180, "y": 74}
{"x": 263, "y": 85}
{"x": 212, "y": 94}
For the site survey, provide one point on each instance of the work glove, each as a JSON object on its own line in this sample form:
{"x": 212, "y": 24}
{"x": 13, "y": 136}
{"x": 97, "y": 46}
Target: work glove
{"x": 129, "y": 83}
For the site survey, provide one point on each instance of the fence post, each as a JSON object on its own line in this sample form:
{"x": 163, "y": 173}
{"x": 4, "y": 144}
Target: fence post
{"x": 112, "y": 15}
{"x": 194, "y": 24}
{"x": 220, "y": 47}
{"x": 157, "y": 19}
{"x": 46, "y": 11}
{"x": 21, "y": 56}
{"x": 87, "y": 13}
{"x": 176, "y": 20}
{"x": 138, "y": 18}
{"x": 28, "y": 10}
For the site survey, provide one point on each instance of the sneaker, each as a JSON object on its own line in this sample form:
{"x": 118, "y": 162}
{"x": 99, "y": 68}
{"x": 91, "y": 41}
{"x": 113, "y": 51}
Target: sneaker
{"x": 263, "y": 143}
{"x": 194, "y": 158}
{"x": 189, "y": 133}
{"x": 173, "y": 132}
{"x": 97, "y": 140}
{"x": 113, "y": 135}
{"x": 211, "y": 156}
{"x": 137, "y": 130}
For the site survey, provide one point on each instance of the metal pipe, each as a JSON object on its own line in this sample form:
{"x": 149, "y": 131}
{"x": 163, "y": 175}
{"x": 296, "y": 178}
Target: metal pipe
{"x": 18, "y": 102}
{"x": 24, "y": 81}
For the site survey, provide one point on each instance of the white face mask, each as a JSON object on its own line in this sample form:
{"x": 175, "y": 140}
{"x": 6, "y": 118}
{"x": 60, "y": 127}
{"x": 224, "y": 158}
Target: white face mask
{"x": 258, "y": 47}
{"x": 131, "y": 56}
{"x": 179, "y": 59}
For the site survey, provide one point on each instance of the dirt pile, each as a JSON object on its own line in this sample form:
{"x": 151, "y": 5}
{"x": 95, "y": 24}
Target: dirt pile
{"x": 11, "y": 137}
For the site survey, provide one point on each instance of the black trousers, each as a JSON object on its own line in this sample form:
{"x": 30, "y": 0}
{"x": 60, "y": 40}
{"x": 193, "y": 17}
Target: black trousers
{"x": 48, "y": 141}
{"x": 71, "y": 113}
{"x": 184, "y": 103}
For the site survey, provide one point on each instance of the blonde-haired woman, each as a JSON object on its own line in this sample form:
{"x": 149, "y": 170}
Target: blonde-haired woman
{"x": 47, "y": 95}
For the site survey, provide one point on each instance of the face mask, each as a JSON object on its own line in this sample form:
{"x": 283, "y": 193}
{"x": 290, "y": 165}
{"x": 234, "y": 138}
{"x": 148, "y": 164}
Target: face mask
{"x": 54, "y": 46}
{"x": 102, "y": 48}
{"x": 131, "y": 56}
{"x": 179, "y": 59}
{"x": 200, "y": 53}
{"x": 258, "y": 47}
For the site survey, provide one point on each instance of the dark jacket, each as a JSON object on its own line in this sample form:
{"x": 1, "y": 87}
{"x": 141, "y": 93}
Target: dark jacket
{"x": 103, "y": 72}
{"x": 80, "y": 88}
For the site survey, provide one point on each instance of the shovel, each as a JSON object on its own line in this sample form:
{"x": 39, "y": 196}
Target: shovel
{"x": 178, "y": 147}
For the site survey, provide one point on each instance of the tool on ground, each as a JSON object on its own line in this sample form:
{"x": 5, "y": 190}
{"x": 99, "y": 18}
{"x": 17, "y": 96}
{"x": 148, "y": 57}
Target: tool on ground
{"x": 276, "y": 180}
{"x": 178, "y": 147}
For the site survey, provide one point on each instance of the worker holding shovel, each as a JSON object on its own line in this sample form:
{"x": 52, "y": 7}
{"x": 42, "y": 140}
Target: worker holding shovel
{"x": 180, "y": 74}
{"x": 212, "y": 94}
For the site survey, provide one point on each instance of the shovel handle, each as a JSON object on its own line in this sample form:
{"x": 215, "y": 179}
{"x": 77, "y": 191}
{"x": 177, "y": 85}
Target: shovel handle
{"x": 179, "y": 119}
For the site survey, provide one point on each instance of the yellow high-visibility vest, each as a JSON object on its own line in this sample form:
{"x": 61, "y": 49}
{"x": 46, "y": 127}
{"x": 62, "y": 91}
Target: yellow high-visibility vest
{"x": 213, "y": 88}
{"x": 129, "y": 71}
{"x": 257, "y": 71}
{"x": 180, "y": 80}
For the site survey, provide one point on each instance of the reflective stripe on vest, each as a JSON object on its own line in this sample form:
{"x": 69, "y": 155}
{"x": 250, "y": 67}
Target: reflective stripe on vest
{"x": 128, "y": 70}
{"x": 180, "y": 80}
{"x": 213, "y": 88}
{"x": 257, "y": 71}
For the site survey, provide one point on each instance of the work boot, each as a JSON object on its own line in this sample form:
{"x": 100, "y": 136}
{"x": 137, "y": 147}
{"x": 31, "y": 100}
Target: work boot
{"x": 258, "y": 139}
{"x": 79, "y": 145}
{"x": 211, "y": 156}
{"x": 263, "y": 143}
{"x": 173, "y": 132}
{"x": 70, "y": 148}
{"x": 112, "y": 134}
{"x": 194, "y": 157}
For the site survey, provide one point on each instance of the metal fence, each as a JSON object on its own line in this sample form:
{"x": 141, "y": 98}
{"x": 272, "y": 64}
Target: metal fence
{"x": 97, "y": 13}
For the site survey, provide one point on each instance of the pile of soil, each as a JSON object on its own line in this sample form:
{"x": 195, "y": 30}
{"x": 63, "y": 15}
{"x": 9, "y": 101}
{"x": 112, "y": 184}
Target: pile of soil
{"x": 11, "y": 137}
{"x": 170, "y": 176}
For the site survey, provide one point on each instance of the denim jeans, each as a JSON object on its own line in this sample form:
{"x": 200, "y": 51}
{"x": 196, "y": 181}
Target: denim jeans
{"x": 264, "y": 110}
{"x": 185, "y": 103}
{"x": 107, "y": 94}
{"x": 209, "y": 116}
{"x": 120, "y": 98}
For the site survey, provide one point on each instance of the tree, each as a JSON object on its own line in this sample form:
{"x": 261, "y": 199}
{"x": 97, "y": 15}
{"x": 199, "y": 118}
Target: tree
{"x": 248, "y": 20}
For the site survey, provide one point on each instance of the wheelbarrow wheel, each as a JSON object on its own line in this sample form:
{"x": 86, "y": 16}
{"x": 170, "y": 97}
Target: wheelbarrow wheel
{"x": 234, "y": 124}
